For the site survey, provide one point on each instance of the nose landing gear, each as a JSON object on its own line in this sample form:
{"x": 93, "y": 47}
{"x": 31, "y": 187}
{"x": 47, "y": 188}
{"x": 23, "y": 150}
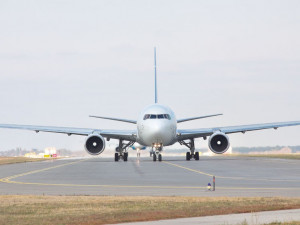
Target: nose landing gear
{"x": 156, "y": 154}
{"x": 192, "y": 153}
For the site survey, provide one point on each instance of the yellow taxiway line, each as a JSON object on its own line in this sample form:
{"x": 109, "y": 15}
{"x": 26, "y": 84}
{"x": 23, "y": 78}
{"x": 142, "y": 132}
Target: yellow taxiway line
{"x": 7, "y": 179}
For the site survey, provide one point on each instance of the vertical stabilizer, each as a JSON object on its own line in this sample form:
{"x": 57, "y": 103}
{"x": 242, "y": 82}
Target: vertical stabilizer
{"x": 155, "y": 74}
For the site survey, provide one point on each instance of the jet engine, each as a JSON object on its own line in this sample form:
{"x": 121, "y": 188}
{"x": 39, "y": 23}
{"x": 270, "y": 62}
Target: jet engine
{"x": 94, "y": 144}
{"x": 218, "y": 143}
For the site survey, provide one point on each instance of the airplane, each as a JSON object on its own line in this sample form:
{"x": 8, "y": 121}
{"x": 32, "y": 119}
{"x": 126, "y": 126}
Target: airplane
{"x": 156, "y": 127}
{"x": 138, "y": 147}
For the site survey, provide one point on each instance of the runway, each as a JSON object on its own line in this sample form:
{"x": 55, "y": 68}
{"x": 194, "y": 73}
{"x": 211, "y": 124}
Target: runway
{"x": 235, "y": 176}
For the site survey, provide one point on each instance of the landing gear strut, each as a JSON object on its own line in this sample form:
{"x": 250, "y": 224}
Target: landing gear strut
{"x": 191, "y": 146}
{"x": 121, "y": 150}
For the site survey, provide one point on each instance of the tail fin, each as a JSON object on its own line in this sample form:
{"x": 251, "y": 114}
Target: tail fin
{"x": 155, "y": 84}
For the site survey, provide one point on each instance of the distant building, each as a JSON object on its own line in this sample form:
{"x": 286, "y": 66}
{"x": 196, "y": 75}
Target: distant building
{"x": 50, "y": 152}
{"x": 31, "y": 155}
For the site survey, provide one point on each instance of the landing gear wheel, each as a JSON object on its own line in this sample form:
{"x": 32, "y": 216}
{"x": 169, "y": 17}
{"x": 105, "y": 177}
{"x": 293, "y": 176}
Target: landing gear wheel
{"x": 125, "y": 156}
{"x": 196, "y": 156}
{"x": 116, "y": 157}
{"x": 188, "y": 156}
{"x": 159, "y": 157}
{"x": 154, "y": 157}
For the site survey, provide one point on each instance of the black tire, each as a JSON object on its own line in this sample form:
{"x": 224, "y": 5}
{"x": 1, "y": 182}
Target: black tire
{"x": 196, "y": 156}
{"x": 154, "y": 157}
{"x": 125, "y": 156}
{"x": 188, "y": 156}
{"x": 159, "y": 157}
{"x": 116, "y": 157}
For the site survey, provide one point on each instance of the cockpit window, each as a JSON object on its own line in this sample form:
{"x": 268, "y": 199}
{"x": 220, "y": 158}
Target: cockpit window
{"x": 160, "y": 116}
{"x": 147, "y": 116}
{"x": 157, "y": 116}
{"x": 167, "y": 116}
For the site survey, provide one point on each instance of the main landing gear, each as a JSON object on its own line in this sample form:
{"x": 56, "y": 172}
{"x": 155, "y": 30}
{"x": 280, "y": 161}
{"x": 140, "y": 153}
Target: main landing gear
{"x": 191, "y": 146}
{"x": 156, "y": 154}
{"x": 121, "y": 150}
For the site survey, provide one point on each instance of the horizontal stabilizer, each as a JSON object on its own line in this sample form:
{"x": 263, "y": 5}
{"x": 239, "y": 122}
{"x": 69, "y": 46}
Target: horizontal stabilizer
{"x": 195, "y": 118}
{"x": 116, "y": 119}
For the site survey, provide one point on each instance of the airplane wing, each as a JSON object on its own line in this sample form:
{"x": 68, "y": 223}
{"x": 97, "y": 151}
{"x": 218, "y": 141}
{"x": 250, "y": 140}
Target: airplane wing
{"x": 196, "y": 133}
{"x": 129, "y": 135}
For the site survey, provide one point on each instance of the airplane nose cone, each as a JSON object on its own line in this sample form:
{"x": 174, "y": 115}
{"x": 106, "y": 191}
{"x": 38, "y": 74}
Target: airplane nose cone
{"x": 157, "y": 132}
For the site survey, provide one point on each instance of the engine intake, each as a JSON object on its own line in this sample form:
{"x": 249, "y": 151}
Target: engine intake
{"x": 94, "y": 144}
{"x": 218, "y": 143}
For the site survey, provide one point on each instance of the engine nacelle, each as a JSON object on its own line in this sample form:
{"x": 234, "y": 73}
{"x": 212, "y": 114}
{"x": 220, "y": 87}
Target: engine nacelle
{"x": 218, "y": 142}
{"x": 94, "y": 144}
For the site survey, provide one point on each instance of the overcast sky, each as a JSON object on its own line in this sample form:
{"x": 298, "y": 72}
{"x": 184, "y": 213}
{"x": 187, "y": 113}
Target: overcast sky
{"x": 63, "y": 60}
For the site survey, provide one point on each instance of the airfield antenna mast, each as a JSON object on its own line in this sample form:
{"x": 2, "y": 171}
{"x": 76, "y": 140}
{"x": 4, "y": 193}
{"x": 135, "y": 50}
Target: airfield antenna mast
{"x": 155, "y": 79}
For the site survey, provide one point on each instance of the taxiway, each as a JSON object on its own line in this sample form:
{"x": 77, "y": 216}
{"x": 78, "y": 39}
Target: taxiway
{"x": 235, "y": 176}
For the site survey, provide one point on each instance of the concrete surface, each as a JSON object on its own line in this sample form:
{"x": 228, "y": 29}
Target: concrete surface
{"x": 235, "y": 176}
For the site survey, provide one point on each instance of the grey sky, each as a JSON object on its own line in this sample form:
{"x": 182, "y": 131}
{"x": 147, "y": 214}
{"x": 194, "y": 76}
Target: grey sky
{"x": 63, "y": 60}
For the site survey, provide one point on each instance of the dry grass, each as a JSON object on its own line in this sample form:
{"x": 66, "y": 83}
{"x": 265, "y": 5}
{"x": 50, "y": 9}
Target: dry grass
{"x": 105, "y": 209}
{"x": 11, "y": 160}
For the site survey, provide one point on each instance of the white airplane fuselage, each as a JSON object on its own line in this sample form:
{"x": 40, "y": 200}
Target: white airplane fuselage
{"x": 156, "y": 125}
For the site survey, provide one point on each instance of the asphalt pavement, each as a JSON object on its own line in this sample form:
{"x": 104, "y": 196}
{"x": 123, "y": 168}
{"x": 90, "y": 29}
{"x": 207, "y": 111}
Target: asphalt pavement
{"x": 234, "y": 176}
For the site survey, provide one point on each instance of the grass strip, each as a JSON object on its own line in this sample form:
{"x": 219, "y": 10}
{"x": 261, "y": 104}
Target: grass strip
{"x": 117, "y": 209}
